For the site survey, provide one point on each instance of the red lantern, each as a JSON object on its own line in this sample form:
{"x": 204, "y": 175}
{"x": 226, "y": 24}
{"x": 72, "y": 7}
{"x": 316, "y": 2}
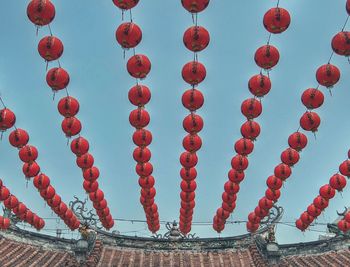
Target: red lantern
{"x": 30, "y": 169}
{"x": 139, "y": 66}
{"x": 244, "y": 146}
{"x": 146, "y": 182}
{"x": 96, "y": 196}
{"x": 251, "y": 108}
{"x": 90, "y": 186}
{"x": 100, "y": 205}
{"x": 50, "y": 48}
{"x": 4, "y": 193}
{"x": 186, "y": 213}
{"x": 344, "y": 168}
{"x": 188, "y": 186}
{"x": 338, "y": 182}
{"x": 54, "y": 202}
{"x": 187, "y": 196}
{"x": 48, "y": 193}
{"x": 267, "y": 56}
{"x": 188, "y": 174}
{"x": 253, "y": 218}
{"x": 276, "y": 20}
{"x": 272, "y": 194}
{"x": 28, "y": 153}
{"x": 11, "y": 202}
{"x": 320, "y": 202}
{"x": 79, "y": 146}
{"x": 4, "y": 223}
{"x": 195, "y": 6}
{"x": 310, "y": 121}
{"x": 91, "y": 174}
{"x": 327, "y": 192}
{"x": 41, "y": 181}
{"x": 85, "y": 161}
{"x": 41, "y": 12}
{"x": 29, "y": 217}
{"x": 229, "y": 207}
{"x": 68, "y": 215}
{"x": 348, "y": 7}
{"x": 71, "y": 126}
{"x": 7, "y": 119}
{"x": 273, "y": 182}
{"x": 297, "y": 141}
{"x": 144, "y": 169}
{"x": 103, "y": 213}
{"x": 139, "y": 118}
{"x": 231, "y": 188}
{"x": 139, "y": 95}
{"x": 142, "y": 137}
{"x": 259, "y": 85}
{"x": 125, "y": 4}
{"x": 228, "y": 198}
{"x": 193, "y": 123}
{"x": 282, "y": 171}
{"x": 196, "y": 38}
{"x": 300, "y": 225}
{"x": 57, "y": 78}
{"x": 18, "y": 138}
{"x": 61, "y": 209}
{"x": 188, "y": 159}
{"x": 347, "y": 217}
{"x": 312, "y": 98}
{"x": 341, "y": 43}
{"x": 68, "y": 106}
{"x": 192, "y": 143}
{"x": 236, "y": 176}
{"x": 250, "y": 130}
{"x": 142, "y": 154}
{"x": 193, "y": 72}
{"x": 290, "y": 156}
{"x": 188, "y": 205}
{"x": 128, "y": 35}
{"x": 146, "y": 201}
{"x": 265, "y": 203}
{"x": 218, "y": 228}
{"x": 328, "y": 75}
{"x": 260, "y": 212}
{"x": 313, "y": 211}
{"x": 239, "y": 162}
{"x": 40, "y": 224}
{"x": 252, "y": 227}
{"x": 306, "y": 218}
{"x": 343, "y": 226}
{"x": 221, "y": 213}
{"x": 192, "y": 99}
{"x": 148, "y": 193}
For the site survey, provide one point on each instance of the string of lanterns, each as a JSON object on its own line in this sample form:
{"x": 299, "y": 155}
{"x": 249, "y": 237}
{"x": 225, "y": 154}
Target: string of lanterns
{"x": 128, "y": 36}
{"x": 327, "y": 75}
{"x": 50, "y": 48}
{"x": 21, "y": 211}
{"x": 196, "y": 38}
{"x": 276, "y": 20}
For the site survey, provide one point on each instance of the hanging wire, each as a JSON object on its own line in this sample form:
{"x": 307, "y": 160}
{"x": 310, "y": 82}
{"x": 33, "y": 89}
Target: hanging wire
{"x": 50, "y": 29}
{"x": 2, "y": 102}
{"x": 346, "y": 22}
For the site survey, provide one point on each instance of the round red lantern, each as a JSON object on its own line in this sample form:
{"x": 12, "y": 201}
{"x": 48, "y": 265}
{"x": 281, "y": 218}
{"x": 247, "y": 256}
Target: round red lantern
{"x": 341, "y": 43}
{"x": 30, "y": 169}
{"x": 272, "y": 194}
{"x": 267, "y": 56}
{"x": 147, "y": 182}
{"x": 41, "y": 181}
{"x": 90, "y": 186}
{"x": 231, "y": 188}
{"x": 344, "y": 168}
{"x": 196, "y": 38}
{"x": 50, "y": 48}
{"x": 282, "y": 171}
{"x": 18, "y": 138}
{"x": 61, "y": 209}
{"x": 128, "y": 35}
{"x": 312, "y": 98}
{"x": 85, "y": 161}
{"x": 91, "y": 174}
{"x": 328, "y": 75}
{"x": 144, "y": 169}
{"x": 239, "y": 162}
{"x": 259, "y": 85}
{"x": 236, "y": 176}
{"x": 68, "y": 106}
{"x": 195, "y": 6}
{"x": 188, "y": 174}
{"x": 338, "y": 182}
{"x": 193, "y": 72}
{"x": 139, "y": 66}
{"x": 221, "y": 213}
{"x": 343, "y": 226}
{"x": 188, "y": 186}
{"x": 54, "y": 202}
{"x": 297, "y": 141}
{"x": 57, "y": 78}
{"x": 300, "y": 225}
{"x": 276, "y": 20}
{"x": 306, "y": 218}
{"x": 260, "y": 212}
{"x": 244, "y": 146}
{"x": 48, "y": 193}
{"x": 41, "y": 12}
{"x": 125, "y": 4}
{"x": 148, "y": 193}
{"x": 139, "y": 118}
{"x": 188, "y": 159}
{"x": 142, "y": 137}
{"x": 310, "y": 121}
{"x": 252, "y": 227}
{"x": 192, "y": 99}
{"x": 320, "y": 202}
{"x": 313, "y": 211}
{"x": 192, "y": 143}
{"x": 347, "y": 6}
{"x": 193, "y": 123}
{"x": 265, "y": 203}
{"x": 141, "y": 154}
{"x": 7, "y": 119}
{"x": 228, "y": 198}
{"x": 253, "y": 218}
{"x": 290, "y": 156}
{"x": 71, "y": 126}
{"x": 187, "y": 196}
{"x": 146, "y": 201}
{"x": 188, "y": 205}
{"x": 139, "y": 95}
{"x": 11, "y": 202}
{"x": 273, "y": 182}
{"x": 229, "y": 207}
{"x": 4, "y": 193}
{"x": 28, "y": 153}
{"x": 4, "y": 223}
{"x": 100, "y": 205}
{"x": 250, "y": 130}
{"x": 327, "y": 192}
{"x": 79, "y": 146}
{"x": 251, "y": 108}
{"x": 96, "y": 196}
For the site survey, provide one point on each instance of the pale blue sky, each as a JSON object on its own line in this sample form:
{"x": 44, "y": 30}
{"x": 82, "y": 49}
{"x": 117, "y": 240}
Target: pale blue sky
{"x": 100, "y": 81}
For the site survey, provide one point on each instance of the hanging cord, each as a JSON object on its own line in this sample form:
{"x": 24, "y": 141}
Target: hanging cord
{"x": 346, "y": 22}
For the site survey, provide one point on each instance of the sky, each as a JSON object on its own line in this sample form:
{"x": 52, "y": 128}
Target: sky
{"x": 100, "y": 82}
